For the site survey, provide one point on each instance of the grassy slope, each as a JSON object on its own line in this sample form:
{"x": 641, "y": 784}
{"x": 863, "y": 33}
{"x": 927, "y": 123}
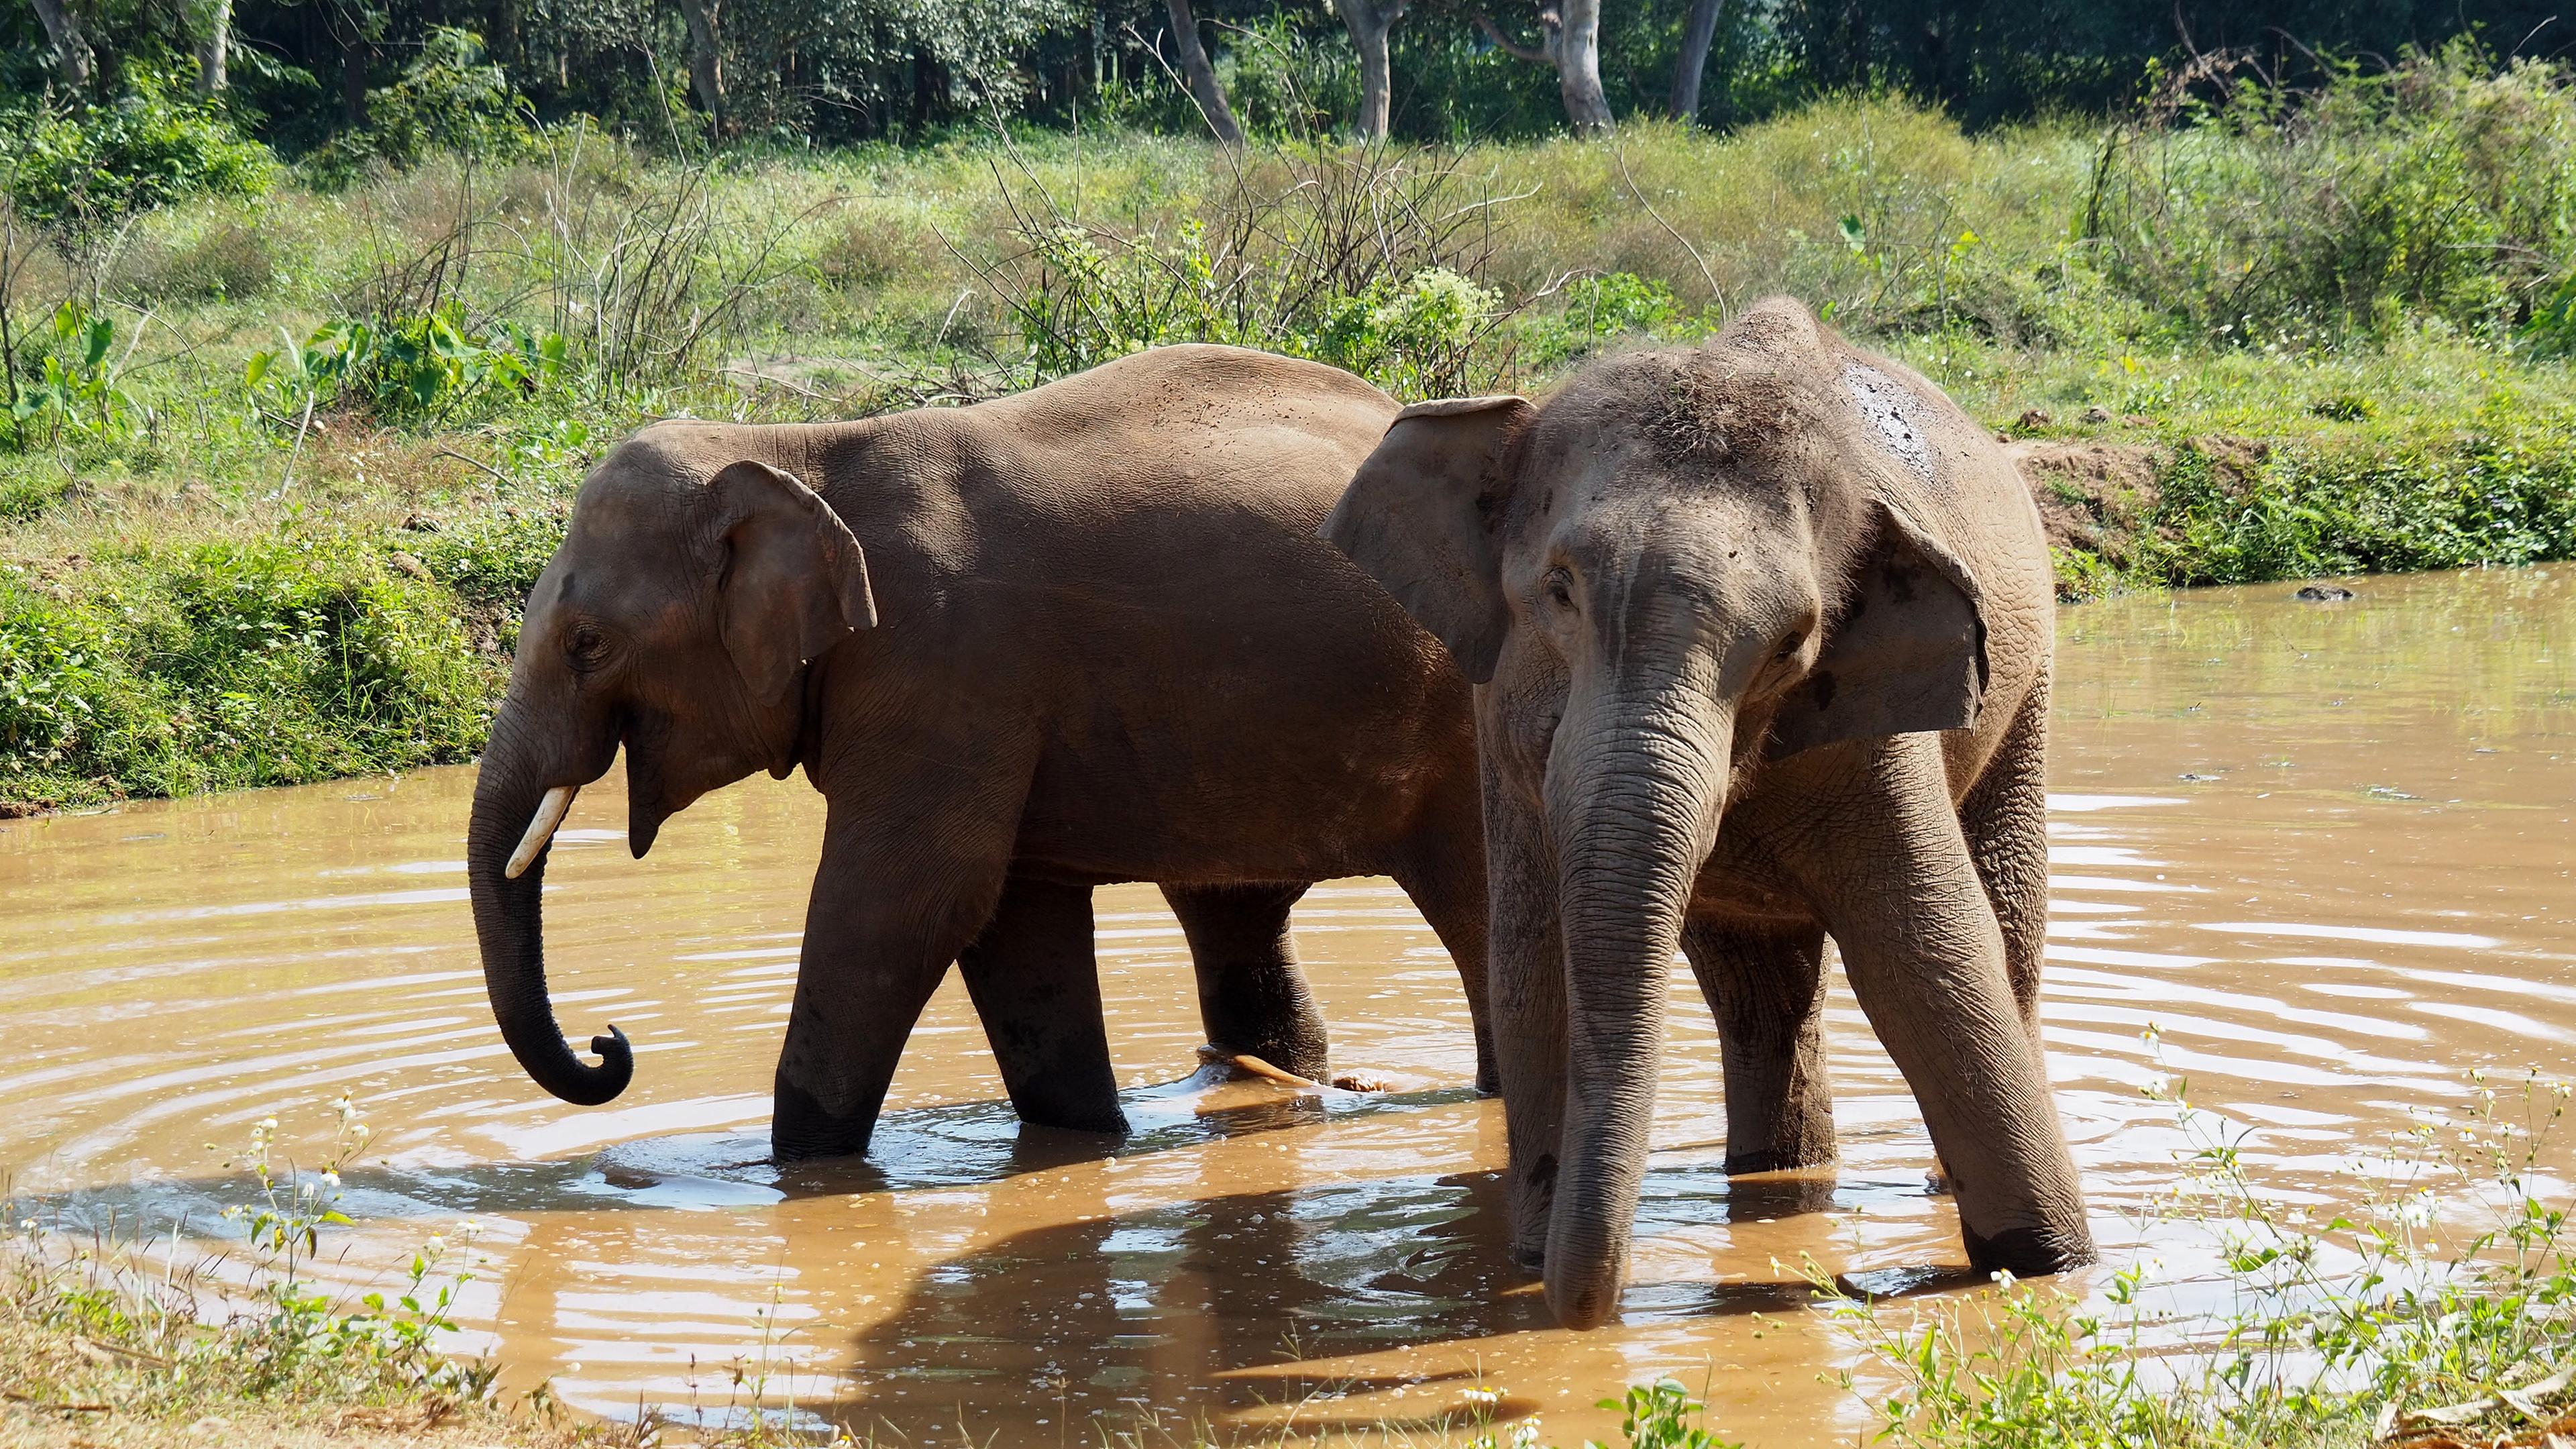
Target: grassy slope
{"x": 176, "y": 616}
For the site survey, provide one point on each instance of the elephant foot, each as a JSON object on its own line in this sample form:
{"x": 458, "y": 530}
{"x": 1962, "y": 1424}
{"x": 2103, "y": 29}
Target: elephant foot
{"x": 2028, "y": 1252}
{"x": 1245, "y": 1064}
{"x": 802, "y": 1129}
{"x": 1779, "y": 1159}
{"x": 1109, "y": 1122}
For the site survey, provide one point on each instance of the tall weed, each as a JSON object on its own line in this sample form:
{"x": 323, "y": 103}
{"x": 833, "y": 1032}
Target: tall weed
{"x": 2344, "y": 1328}
{"x": 2438, "y": 191}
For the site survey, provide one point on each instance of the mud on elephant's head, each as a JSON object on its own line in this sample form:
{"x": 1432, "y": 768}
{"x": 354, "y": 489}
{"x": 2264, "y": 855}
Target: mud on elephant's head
{"x": 691, "y": 590}
{"x": 1689, "y": 563}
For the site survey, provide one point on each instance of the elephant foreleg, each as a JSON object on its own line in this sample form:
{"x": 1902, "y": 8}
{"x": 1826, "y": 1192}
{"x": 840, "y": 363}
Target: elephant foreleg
{"x": 1036, "y": 986}
{"x": 1253, "y": 999}
{"x": 1766, "y": 986}
{"x": 1926, "y": 957}
{"x": 1525, "y": 991}
{"x": 2005, "y": 818}
{"x": 872, "y": 957}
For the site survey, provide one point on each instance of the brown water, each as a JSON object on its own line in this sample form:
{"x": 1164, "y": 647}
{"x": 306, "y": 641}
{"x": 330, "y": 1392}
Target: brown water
{"x": 2326, "y": 849}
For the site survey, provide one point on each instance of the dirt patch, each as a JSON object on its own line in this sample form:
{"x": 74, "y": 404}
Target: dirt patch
{"x": 2096, "y": 497}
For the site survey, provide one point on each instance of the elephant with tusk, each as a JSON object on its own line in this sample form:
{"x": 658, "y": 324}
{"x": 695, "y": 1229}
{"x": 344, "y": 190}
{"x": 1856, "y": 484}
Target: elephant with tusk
{"x": 1080, "y": 635}
{"x": 1762, "y": 633}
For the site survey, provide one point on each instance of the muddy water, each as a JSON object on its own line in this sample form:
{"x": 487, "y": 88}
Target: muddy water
{"x": 2325, "y": 848}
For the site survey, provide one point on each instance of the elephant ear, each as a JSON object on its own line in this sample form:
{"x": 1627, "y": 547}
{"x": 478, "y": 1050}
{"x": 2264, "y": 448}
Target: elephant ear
{"x": 1907, "y": 652}
{"x": 795, "y": 582}
{"x": 1414, "y": 519}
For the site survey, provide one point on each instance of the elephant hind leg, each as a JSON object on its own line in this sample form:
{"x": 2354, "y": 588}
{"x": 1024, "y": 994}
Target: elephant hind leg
{"x": 1765, "y": 983}
{"x": 1253, "y": 998}
{"x": 1449, "y": 890}
{"x": 2005, "y": 820}
{"x": 1036, "y": 985}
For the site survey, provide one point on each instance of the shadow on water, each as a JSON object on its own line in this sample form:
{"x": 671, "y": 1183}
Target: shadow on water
{"x": 1256, "y": 1309}
{"x": 960, "y": 1144}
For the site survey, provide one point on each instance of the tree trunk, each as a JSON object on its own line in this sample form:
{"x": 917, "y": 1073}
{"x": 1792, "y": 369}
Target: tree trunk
{"x": 70, "y": 40}
{"x": 706, "y": 61}
{"x": 1697, "y": 36}
{"x": 1578, "y": 68}
{"x": 1200, "y": 72}
{"x": 214, "y": 47}
{"x": 1369, "y": 21}
{"x": 353, "y": 79}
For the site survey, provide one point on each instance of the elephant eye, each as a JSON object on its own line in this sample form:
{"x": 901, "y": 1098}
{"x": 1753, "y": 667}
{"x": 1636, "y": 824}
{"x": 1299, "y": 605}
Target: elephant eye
{"x": 1789, "y": 646}
{"x": 1560, "y": 587}
{"x": 586, "y": 647}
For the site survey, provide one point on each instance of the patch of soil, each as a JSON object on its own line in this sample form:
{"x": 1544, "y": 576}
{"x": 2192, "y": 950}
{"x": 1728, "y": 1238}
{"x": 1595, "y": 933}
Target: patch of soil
{"x": 2093, "y": 496}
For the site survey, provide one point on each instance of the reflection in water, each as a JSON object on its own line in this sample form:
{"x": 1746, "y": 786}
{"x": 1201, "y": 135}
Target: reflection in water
{"x": 2324, "y": 850}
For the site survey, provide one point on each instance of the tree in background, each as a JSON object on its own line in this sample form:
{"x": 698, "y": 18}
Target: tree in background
{"x": 1569, "y": 44}
{"x": 69, "y": 34}
{"x": 298, "y": 74}
{"x": 1369, "y": 21}
{"x": 1697, "y": 37}
{"x": 1200, "y": 73}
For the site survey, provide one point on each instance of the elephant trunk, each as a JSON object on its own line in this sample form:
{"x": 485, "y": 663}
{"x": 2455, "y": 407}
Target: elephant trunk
{"x": 516, "y": 806}
{"x": 1634, "y": 808}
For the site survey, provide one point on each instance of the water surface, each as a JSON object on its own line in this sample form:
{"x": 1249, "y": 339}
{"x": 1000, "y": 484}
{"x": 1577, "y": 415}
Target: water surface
{"x": 2324, "y": 848}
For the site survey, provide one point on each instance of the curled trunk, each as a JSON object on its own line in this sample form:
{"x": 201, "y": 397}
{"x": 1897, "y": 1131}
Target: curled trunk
{"x": 1635, "y": 810}
{"x": 509, "y": 925}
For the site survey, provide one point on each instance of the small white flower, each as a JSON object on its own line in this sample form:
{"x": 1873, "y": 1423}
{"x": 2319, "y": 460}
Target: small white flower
{"x": 331, "y": 1180}
{"x": 1486, "y": 1397}
{"x": 435, "y": 1245}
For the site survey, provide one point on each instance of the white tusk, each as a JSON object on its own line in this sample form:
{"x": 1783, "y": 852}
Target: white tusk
{"x": 550, "y": 813}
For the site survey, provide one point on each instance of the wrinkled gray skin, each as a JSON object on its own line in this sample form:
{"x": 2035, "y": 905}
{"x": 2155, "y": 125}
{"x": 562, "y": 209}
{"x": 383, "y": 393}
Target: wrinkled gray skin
{"x": 1763, "y": 633}
{"x": 1083, "y": 634}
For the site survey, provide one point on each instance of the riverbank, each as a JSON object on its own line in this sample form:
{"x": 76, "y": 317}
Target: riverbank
{"x": 161, "y": 634}
{"x": 280, "y": 468}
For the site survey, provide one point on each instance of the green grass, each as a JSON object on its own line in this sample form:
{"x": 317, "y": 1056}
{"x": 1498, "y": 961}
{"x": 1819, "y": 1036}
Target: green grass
{"x": 2434, "y": 1309}
{"x": 282, "y": 467}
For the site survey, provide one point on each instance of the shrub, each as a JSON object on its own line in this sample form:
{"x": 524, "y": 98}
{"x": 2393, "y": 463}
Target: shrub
{"x": 86, "y": 169}
{"x": 2436, "y": 190}
{"x": 1602, "y": 309}
{"x": 449, "y": 100}
{"x": 2505, "y": 495}
{"x": 1354, "y": 256}
{"x": 75, "y": 389}
{"x": 408, "y": 369}
{"x": 227, "y": 257}
{"x": 227, "y": 664}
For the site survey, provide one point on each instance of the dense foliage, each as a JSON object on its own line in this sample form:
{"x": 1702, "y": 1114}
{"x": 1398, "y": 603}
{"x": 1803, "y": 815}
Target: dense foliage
{"x": 285, "y": 443}
{"x": 384, "y": 77}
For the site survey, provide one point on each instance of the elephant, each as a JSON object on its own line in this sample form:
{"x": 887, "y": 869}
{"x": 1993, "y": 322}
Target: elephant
{"x": 1761, "y": 633}
{"x": 1083, "y": 634}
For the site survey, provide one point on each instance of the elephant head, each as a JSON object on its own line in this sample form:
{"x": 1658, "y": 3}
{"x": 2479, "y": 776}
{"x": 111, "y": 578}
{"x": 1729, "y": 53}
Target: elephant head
{"x": 692, "y": 587}
{"x": 1688, "y": 563}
